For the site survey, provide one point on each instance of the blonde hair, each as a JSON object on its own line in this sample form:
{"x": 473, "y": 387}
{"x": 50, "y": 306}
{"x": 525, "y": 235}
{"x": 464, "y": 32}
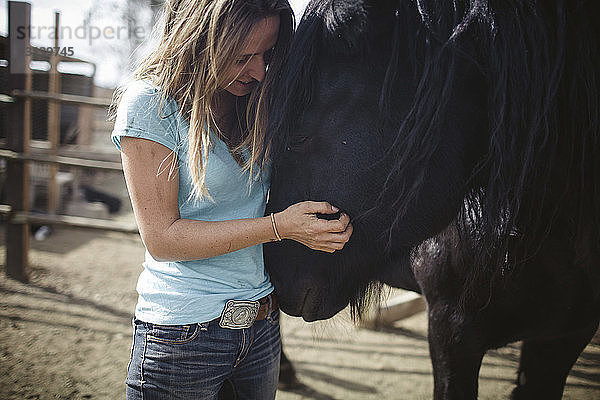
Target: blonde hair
{"x": 200, "y": 40}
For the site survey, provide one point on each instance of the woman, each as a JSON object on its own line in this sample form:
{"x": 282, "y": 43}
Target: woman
{"x": 191, "y": 133}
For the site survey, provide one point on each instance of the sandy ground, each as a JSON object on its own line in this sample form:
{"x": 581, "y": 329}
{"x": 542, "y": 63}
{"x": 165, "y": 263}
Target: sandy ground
{"x": 67, "y": 335}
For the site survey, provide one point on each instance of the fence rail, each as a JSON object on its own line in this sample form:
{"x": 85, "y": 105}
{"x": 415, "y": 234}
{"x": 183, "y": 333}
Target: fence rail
{"x": 21, "y": 217}
{"x": 41, "y": 156}
{"x": 62, "y": 98}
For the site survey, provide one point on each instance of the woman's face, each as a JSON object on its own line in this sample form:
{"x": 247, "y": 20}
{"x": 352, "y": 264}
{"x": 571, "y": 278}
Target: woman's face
{"x": 250, "y": 66}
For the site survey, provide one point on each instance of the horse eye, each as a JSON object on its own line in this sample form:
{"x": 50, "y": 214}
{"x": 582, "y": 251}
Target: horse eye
{"x": 297, "y": 142}
{"x": 300, "y": 139}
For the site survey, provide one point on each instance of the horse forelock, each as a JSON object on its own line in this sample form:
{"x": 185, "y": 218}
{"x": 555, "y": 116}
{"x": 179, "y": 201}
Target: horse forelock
{"x": 344, "y": 23}
{"x": 328, "y": 28}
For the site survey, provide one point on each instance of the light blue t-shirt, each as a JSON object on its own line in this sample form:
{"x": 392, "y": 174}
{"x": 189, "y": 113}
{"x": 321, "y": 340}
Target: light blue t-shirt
{"x": 185, "y": 292}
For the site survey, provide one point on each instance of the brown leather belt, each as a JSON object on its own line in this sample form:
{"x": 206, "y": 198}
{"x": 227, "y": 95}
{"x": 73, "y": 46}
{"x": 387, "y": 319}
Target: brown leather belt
{"x": 264, "y": 308}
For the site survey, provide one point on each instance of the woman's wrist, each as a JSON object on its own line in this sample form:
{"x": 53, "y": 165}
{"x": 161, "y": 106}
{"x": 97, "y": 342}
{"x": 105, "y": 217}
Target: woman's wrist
{"x": 277, "y": 223}
{"x": 274, "y": 226}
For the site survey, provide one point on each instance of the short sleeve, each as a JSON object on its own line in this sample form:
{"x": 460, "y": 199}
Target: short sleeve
{"x": 140, "y": 114}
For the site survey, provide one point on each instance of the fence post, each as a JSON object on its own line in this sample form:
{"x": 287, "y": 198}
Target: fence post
{"x": 54, "y": 121}
{"x": 18, "y": 137}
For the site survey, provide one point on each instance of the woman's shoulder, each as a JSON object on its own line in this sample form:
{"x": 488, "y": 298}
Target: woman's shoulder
{"x": 143, "y": 93}
{"x": 143, "y": 112}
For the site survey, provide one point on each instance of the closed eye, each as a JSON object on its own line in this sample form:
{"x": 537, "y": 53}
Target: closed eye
{"x": 296, "y": 143}
{"x": 242, "y": 60}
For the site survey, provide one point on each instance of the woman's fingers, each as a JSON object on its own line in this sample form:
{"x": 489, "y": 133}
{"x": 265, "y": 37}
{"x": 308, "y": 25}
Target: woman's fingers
{"x": 347, "y": 232}
{"x": 332, "y": 241}
{"x": 319, "y": 207}
{"x": 316, "y": 233}
{"x": 337, "y": 237}
{"x": 335, "y": 225}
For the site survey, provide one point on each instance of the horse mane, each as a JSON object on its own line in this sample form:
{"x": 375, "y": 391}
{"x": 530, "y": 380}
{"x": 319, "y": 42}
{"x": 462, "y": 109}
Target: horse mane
{"x": 540, "y": 59}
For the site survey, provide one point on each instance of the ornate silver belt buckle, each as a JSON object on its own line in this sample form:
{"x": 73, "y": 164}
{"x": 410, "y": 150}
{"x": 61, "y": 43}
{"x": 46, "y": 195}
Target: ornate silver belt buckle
{"x": 239, "y": 314}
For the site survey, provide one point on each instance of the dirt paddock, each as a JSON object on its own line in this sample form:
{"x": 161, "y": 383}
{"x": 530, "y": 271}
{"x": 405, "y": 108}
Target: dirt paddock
{"x": 66, "y": 335}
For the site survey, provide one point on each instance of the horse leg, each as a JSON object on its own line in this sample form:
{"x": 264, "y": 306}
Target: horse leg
{"x": 287, "y": 373}
{"x": 545, "y": 364}
{"x": 455, "y": 354}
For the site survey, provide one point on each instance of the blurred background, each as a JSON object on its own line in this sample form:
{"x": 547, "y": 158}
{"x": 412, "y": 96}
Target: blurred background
{"x": 68, "y": 275}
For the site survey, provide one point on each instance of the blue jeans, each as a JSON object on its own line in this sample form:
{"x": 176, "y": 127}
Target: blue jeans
{"x": 194, "y": 361}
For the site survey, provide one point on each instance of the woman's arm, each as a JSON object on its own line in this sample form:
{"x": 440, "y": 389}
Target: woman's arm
{"x": 171, "y": 238}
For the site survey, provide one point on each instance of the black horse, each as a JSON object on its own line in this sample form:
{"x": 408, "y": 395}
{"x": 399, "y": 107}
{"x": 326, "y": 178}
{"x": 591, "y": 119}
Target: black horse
{"x": 462, "y": 137}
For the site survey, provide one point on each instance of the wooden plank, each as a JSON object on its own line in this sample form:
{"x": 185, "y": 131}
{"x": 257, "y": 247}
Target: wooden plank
{"x": 19, "y": 218}
{"x": 395, "y": 309}
{"x": 63, "y": 98}
{"x": 85, "y": 125}
{"x": 53, "y": 125}
{"x": 60, "y": 160}
{"x": 18, "y": 136}
{"x": 76, "y": 151}
{"x": 86, "y": 152}
{"x": 403, "y": 306}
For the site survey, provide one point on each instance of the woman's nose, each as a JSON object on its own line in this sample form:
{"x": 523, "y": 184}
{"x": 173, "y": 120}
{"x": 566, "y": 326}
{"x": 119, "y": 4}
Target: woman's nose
{"x": 256, "y": 68}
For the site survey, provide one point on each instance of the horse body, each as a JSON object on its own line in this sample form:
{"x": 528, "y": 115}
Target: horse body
{"x": 552, "y": 306}
{"x": 463, "y": 141}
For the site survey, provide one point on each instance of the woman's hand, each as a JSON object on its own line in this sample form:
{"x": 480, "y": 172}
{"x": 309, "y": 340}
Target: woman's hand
{"x": 299, "y": 222}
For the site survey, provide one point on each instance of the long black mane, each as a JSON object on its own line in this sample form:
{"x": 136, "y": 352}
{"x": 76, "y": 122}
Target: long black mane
{"x": 542, "y": 64}
{"x": 542, "y": 170}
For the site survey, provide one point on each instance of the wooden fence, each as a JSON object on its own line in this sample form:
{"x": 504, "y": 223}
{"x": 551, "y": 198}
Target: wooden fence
{"x": 18, "y": 151}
